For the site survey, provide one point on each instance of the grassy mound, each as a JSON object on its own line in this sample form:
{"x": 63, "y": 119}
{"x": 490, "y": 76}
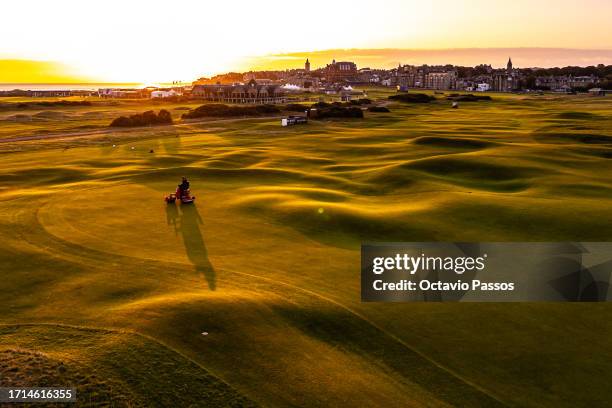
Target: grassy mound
{"x": 48, "y": 114}
{"x": 352, "y": 102}
{"x": 27, "y": 368}
{"x": 458, "y": 143}
{"x": 576, "y": 115}
{"x": 412, "y": 98}
{"x": 47, "y": 104}
{"x": 565, "y": 137}
{"x": 148, "y": 118}
{"x": 330, "y": 222}
{"x": 472, "y": 168}
{"x": 602, "y": 152}
{"x": 379, "y": 109}
{"x": 468, "y": 98}
{"x": 335, "y": 111}
{"x": 20, "y": 118}
{"x": 360, "y": 101}
{"x": 107, "y": 368}
{"x": 294, "y": 107}
{"x": 224, "y": 111}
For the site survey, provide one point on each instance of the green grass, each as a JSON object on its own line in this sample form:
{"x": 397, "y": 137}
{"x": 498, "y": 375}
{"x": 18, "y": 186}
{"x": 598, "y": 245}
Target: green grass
{"x": 34, "y": 119}
{"x": 101, "y": 275}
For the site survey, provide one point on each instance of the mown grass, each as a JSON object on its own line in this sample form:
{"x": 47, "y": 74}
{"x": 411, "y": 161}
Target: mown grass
{"x": 267, "y": 261}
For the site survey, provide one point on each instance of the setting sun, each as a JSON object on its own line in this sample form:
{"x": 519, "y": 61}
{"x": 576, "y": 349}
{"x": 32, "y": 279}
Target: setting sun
{"x": 151, "y": 41}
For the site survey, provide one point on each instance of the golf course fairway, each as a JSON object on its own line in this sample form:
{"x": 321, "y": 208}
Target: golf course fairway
{"x": 250, "y": 296}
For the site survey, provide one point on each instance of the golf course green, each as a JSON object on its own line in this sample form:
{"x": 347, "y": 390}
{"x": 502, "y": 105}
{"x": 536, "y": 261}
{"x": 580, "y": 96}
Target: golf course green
{"x": 251, "y": 296}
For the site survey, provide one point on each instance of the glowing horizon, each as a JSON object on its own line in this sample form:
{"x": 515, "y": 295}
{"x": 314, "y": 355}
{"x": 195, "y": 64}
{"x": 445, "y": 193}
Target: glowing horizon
{"x": 140, "y": 41}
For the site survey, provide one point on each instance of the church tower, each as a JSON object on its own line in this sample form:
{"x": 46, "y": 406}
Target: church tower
{"x": 509, "y": 66}
{"x": 307, "y": 65}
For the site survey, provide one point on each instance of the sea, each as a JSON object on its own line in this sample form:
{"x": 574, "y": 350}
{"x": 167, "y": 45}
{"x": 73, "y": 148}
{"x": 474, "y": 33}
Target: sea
{"x": 75, "y": 87}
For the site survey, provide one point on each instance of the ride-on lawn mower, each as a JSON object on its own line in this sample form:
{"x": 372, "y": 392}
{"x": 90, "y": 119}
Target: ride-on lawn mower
{"x": 184, "y": 196}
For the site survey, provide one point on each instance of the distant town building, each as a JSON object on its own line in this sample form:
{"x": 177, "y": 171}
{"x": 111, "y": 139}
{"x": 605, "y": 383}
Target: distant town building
{"x": 239, "y": 93}
{"x": 302, "y": 78}
{"x": 441, "y": 80}
{"x": 481, "y": 77}
{"x": 409, "y": 76}
{"x": 162, "y": 93}
{"x": 258, "y": 77}
{"x": 506, "y": 80}
{"x": 52, "y": 93}
{"x": 340, "y": 71}
{"x": 46, "y": 93}
{"x": 562, "y": 83}
{"x": 483, "y": 87}
{"x": 553, "y": 83}
{"x": 366, "y": 76}
{"x": 583, "y": 81}
{"x": 262, "y": 81}
{"x": 304, "y": 81}
{"x": 122, "y": 93}
{"x": 484, "y": 68}
{"x": 439, "y": 77}
{"x": 43, "y": 93}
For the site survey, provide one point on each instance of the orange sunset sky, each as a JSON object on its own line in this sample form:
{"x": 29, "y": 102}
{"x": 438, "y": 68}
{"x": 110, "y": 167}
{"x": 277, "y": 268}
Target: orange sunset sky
{"x": 160, "y": 41}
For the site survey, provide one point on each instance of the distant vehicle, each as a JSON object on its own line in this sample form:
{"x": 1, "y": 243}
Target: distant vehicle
{"x": 294, "y": 120}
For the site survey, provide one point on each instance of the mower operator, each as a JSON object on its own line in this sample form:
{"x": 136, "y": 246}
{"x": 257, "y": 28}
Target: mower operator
{"x": 184, "y": 186}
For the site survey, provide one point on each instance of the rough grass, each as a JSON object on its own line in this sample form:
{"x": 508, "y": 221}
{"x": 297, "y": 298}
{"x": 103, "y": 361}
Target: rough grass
{"x": 26, "y": 368}
{"x": 267, "y": 261}
{"x": 27, "y": 116}
{"x": 107, "y": 368}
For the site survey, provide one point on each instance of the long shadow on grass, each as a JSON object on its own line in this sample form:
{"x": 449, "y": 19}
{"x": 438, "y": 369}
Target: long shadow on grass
{"x": 352, "y": 334}
{"x": 186, "y": 221}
